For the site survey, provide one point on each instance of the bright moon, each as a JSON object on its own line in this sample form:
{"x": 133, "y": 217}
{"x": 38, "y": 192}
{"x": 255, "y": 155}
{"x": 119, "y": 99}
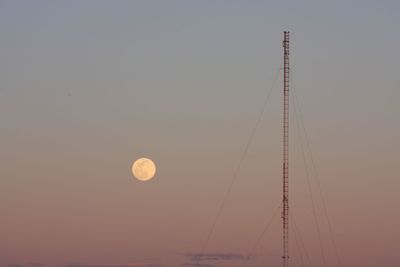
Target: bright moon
{"x": 144, "y": 169}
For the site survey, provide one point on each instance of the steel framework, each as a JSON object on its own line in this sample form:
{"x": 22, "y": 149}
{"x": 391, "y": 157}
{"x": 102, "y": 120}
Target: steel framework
{"x": 285, "y": 201}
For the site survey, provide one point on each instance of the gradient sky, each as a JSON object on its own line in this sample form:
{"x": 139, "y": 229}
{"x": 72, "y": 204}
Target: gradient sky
{"x": 86, "y": 87}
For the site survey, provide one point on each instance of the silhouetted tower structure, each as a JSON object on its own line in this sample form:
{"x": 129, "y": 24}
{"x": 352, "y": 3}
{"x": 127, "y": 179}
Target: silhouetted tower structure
{"x": 285, "y": 167}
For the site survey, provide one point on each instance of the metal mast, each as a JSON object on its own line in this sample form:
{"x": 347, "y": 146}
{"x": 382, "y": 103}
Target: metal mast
{"x": 285, "y": 208}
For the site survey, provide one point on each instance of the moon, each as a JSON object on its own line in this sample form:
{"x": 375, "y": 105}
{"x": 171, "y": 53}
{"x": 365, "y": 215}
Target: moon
{"x": 143, "y": 169}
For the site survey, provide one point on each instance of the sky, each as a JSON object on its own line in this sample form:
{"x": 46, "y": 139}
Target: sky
{"x": 87, "y": 87}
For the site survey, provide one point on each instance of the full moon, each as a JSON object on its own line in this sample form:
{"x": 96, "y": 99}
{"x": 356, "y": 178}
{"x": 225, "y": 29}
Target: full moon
{"x": 144, "y": 169}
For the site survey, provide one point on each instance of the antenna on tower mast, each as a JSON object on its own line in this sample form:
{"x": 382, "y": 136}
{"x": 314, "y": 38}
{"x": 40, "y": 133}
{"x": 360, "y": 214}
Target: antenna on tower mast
{"x": 285, "y": 167}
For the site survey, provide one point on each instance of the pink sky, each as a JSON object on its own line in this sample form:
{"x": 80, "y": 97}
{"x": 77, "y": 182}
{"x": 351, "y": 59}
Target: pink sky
{"x": 87, "y": 88}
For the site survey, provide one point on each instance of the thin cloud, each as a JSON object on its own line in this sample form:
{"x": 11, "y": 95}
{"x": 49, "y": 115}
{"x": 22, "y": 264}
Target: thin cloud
{"x": 197, "y": 257}
{"x": 34, "y": 264}
{"x": 195, "y": 264}
{"x": 107, "y": 265}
